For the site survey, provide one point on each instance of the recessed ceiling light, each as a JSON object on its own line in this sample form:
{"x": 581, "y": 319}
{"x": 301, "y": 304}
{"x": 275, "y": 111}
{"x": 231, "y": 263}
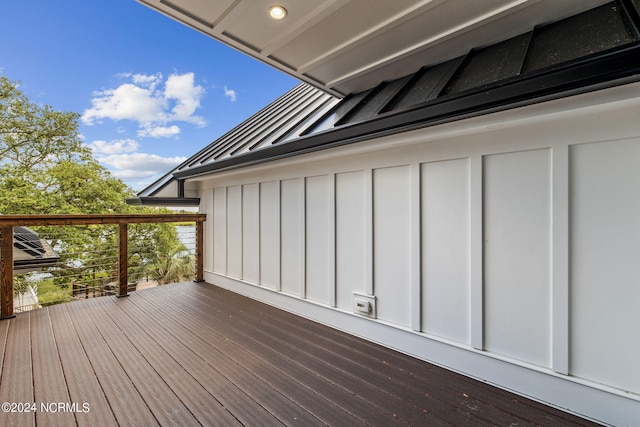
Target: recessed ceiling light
{"x": 277, "y": 12}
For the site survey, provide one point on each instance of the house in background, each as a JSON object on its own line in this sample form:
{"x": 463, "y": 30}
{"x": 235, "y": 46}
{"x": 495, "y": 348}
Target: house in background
{"x": 456, "y": 180}
{"x": 30, "y": 254}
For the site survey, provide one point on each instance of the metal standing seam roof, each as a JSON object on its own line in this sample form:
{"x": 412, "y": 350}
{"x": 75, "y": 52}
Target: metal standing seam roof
{"x": 280, "y": 121}
{"x": 28, "y": 241}
{"x": 591, "y": 50}
{"x": 40, "y": 254}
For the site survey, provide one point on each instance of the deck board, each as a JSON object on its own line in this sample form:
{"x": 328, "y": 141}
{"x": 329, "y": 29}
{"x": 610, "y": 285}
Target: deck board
{"x": 340, "y": 365}
{"x": 16, "y": 382}
{"x": 4, "y": 332}
{"x": 186, "y": 346}
{"x": 49, "y": 383}
{"x": 348, "y": 368}
{"x": 299, "y": 350}
{"x": 81, "y": 380}
{"x": 278, "y": 372}
{"x": 347, "y": 353}
{"x": 195, "y": 354}
{"x": 283, "y": 408}
{"x": 153, "y": 388}
{"x": 188, "y": 391}
{"x": 126, "y": 403}
{"x": 478, "y": 400}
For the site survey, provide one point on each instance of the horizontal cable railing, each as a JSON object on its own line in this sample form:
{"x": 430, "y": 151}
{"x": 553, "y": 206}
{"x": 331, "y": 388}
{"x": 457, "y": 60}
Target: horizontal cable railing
{"x": 59, "y": 258}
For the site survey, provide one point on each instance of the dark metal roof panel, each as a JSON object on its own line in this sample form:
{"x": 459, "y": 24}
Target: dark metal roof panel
{"x": 28, "y": 241}
{"x": 164, "y": 201}
{"x": 280, "y": 120}
{"x": 276, "y": 116}
{"x": 593, "y": 31}
{"x": 40, "y": 254}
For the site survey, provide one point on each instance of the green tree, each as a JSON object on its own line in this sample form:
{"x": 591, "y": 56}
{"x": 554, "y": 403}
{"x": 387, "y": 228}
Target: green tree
{"x": 46, "y": 169}
{"x": 33, "y": 136}
{"x": 174, "y": 266}
{"x": 64, "y": 186}
{"x": 157, "y": 254}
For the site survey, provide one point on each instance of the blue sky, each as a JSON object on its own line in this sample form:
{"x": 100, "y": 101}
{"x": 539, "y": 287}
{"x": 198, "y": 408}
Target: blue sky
{"x": 151, "y": 91}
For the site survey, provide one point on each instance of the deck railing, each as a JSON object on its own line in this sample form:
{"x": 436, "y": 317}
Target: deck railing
{"x": 122, "y": 221}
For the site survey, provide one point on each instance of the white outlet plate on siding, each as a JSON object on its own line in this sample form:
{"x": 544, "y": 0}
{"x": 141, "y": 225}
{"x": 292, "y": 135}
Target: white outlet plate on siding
{"x": 364, "y": 305}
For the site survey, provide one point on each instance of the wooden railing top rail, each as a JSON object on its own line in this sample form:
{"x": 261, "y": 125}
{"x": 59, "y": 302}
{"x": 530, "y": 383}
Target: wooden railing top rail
{"x": 7, "y": 222}
{"x": 86, "y": 219}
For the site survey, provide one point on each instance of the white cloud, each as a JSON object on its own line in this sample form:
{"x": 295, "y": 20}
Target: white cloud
{"x": 126, "y": 102}
{"x": 142, "y": 100}
{"x": 159, "y": 131}
{"x": 122, "y": 159}
{"x": 139, "y": 165}
{"x": 148, "y": 81}
{"x": 113, "y": 147}
{"x": 187, "y": 94}
{"x": 231, "y": 94}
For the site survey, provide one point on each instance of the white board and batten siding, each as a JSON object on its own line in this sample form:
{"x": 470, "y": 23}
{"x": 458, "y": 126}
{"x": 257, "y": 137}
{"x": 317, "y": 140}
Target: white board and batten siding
{"x": 505, "y": 247}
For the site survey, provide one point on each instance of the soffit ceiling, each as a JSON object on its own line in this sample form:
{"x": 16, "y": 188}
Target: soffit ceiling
{"x": 346, "y": 46}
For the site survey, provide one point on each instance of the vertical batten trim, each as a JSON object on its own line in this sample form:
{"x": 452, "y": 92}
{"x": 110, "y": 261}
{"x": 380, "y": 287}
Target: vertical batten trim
{"x": 242, "y": 231}
{"x": 332, "y": 239}
{"x": 226, "y": 230}
{"x": 303, "y": 238}
{"x": 259, "y": 236}
{"x": 476, "y": 253}
{"x": 368, "y": 219}
{"x": 278, "y": 233}
{"x": 560, "y": 259}
{"x": 211, "y": 208}
{"x": 416, "y": 233}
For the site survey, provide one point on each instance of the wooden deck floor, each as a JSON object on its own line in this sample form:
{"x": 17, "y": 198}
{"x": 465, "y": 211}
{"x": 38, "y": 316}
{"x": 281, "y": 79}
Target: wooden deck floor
{"x": 194, "y": 354}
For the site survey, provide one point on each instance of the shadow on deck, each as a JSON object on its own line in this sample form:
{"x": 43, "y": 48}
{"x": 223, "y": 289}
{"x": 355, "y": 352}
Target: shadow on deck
{"x": 195, "y": 354}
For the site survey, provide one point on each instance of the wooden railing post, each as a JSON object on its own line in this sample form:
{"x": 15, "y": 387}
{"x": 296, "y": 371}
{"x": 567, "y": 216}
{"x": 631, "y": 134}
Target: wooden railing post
{"x": 199, "y": 251}
{"x": 122, "y": 260}
{"x": 6, "y": 272}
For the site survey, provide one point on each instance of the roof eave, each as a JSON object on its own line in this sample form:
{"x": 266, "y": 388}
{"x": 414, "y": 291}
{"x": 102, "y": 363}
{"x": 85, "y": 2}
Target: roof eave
{"x": 164, "y": 201}
{"x": 35, "y": 263}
